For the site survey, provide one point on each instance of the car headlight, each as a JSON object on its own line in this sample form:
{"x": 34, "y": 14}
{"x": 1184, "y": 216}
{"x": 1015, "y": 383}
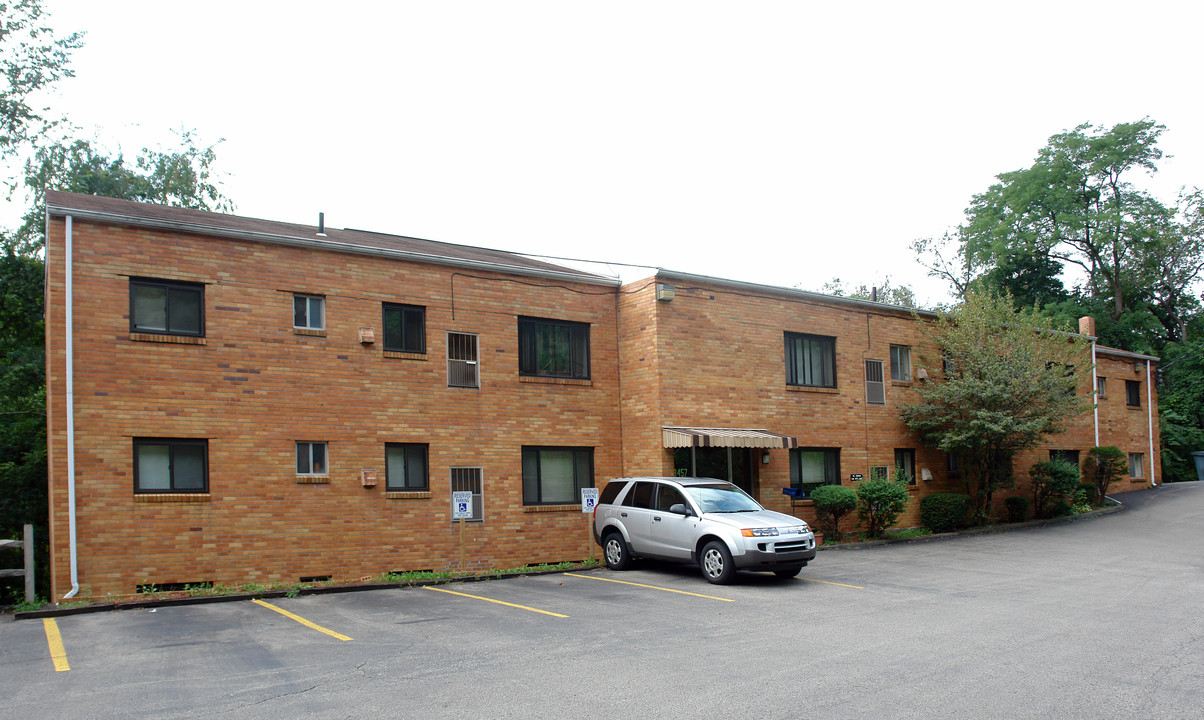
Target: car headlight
{"x": 802, "y": 529}
{"x": 759, "y": 532}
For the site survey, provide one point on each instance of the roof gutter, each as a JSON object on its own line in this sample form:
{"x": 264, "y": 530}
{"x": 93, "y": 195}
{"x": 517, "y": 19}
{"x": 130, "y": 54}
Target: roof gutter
{"x": 748, "y": 287}
{"x": 329, "y": 245}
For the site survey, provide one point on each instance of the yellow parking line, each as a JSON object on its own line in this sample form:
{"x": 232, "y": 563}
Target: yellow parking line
{"x": 57, "y": 654}
{"x": 302, "y": 620}
{"x": 650, "y": 587}
{"x": 826, "y": 582}
{"x": 499, "y": 602}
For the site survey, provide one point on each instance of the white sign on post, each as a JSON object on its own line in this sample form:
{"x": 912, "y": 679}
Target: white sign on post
{"x": 462, "y": 505}
{"x": 589, "y": 498}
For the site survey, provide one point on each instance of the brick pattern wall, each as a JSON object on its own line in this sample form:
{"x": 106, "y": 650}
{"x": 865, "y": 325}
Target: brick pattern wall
{"x": 253, "y": 387}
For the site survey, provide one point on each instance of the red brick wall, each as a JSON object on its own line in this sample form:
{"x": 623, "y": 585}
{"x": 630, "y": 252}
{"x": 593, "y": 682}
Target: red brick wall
{"x": 255, "y": 387}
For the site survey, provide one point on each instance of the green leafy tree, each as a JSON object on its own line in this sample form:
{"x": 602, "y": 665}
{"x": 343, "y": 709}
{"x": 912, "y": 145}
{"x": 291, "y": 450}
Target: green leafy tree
{"x": 832, "y": 503}
{"x": 1006, "y": 380}
{"x": 32, "y": 61}
{"x": 887, "y": 293}
{"x": 880, "y": 502}
{"x": 1104, "y": 466}
{"x": 1053, "y": 481}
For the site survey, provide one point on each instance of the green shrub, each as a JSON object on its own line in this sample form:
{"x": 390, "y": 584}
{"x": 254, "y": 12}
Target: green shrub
{"x": 1092, "y": 494}
{"x": 1053, "y": 482}
{"x": 833, "y": 502}
{"x": 1017, "y": 508}
{"x": 1060, "y": 509}
{"x": 944, "y": 512}
{"x": 880, "y": 503}
{"x": 1080, "y": 505}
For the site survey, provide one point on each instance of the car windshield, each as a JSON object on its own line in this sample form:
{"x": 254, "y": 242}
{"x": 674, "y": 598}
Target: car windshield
{"x": 722, "y": 499}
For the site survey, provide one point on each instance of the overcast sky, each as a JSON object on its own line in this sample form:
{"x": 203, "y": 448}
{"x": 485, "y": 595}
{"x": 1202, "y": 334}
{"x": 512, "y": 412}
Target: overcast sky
{"x": 784, "y": 143}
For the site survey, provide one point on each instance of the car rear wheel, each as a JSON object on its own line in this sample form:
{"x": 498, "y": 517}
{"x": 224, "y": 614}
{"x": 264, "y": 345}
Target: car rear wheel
{"x": 716, "y": 563}
{"x": 614, "y": 549}
{"x": 788, "y": 572}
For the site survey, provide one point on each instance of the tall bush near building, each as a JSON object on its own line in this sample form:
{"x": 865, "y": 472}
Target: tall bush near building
{"x": 833, "y": 502}
{"x": 1104, "y": 466}
{"x": 1053, "y": 481}
{"x": 880, "y": 502}
{"x": 944, "y": 512}
{"x": 1005, "y": 381}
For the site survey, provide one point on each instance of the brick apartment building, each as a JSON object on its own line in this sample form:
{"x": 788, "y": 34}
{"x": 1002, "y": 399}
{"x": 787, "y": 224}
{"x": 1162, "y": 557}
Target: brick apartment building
{"x": 235, "y": 400}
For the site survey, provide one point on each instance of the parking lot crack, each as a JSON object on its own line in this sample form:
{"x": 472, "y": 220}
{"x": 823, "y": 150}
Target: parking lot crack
{"x": 275, "y": 697}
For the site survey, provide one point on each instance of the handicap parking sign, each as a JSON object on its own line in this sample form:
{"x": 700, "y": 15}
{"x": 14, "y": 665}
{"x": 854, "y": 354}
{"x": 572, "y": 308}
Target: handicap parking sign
{"x": 462, "y": 505}
{"x": 589, "y": 498}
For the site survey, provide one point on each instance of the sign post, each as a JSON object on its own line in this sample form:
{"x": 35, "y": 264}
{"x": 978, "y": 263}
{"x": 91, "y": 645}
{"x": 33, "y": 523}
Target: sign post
{"x": 589, "y": 500}
{"x": 461, "y": 511}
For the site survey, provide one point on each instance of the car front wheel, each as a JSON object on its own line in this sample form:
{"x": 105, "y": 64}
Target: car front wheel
{"x": 614, "y": 549}
{"x": 716, "y": 563}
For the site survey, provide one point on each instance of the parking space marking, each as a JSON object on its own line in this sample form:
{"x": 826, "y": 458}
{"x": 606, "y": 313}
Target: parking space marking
{"x": 828, "y": 582}
{"x": 499, "y": 602}
{"x": 650, "y": 587}
{"x": 55, "y": 640}
{"x": 303, "y": 621}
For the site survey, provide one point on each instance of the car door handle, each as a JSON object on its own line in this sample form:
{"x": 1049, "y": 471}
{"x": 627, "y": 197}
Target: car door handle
{"x": 622, "y": 514}
{"x": 657, "y": 518}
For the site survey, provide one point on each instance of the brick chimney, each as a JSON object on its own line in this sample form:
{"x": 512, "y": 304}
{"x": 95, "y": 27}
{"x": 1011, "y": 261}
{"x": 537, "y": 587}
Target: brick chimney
{"x": 1087, "y": 325}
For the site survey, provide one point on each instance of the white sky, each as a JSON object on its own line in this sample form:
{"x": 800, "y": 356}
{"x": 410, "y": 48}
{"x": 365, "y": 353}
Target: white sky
{"x": 784, "y": 143}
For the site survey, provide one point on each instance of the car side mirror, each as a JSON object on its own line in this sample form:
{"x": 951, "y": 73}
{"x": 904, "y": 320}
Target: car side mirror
{"x": 679, "y": 509}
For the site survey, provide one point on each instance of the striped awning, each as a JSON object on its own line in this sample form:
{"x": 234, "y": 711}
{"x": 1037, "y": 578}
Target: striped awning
{"x": 681, "y": 437}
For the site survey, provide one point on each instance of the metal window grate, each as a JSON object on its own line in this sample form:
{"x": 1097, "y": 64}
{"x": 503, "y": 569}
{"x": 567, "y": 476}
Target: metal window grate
{"x": 875, "y": 387}
{"x": 462, "y": 364}
{"x": 470, "y": 479}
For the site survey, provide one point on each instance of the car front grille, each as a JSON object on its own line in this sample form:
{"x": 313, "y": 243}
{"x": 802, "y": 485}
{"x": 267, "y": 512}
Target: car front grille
{"x": 792, "y": 546}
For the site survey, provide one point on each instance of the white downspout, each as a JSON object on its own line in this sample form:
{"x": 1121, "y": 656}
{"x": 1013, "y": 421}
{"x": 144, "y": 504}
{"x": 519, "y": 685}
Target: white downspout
{"x": 1149, "y": 410}
{"x": 1095, "y": 390}
{"x": 70, "y": 344}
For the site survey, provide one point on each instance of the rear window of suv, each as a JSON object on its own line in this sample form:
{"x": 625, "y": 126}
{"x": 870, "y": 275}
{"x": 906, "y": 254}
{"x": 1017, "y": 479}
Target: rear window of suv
{"x": 611, "y": 491}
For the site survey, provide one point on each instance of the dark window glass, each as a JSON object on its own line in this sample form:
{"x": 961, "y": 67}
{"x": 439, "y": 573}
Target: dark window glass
{"x": 900, "y": 363}
{"x": 611, "y": 491}
{"x": 812, "y": 467}
{"x": 309, "y": 312}
{"x": 905, "y": 462}
{"x": 166, "y": 307}
{"x": 555, "y": 475}
{"x": 1070, "y": 456}
{"x": 406, "y": 466}
{"x": 553, "y": 348}
{"x": 405, "y": 328}
{"x": 667, "y": 496}
{"x": 641, "y": 495}
{"x": 1133, "y": 393}
{"x": 810, "y": 360}
{"x": 311, "y": 458}
{"x": 171, "y": 466}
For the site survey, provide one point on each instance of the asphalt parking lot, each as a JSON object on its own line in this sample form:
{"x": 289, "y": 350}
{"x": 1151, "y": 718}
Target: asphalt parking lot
{"x": 1098, "y": 618}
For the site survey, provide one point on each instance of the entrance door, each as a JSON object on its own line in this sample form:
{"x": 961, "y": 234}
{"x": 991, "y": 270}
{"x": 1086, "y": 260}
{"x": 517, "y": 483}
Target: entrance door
{"x": 732, "y": 464}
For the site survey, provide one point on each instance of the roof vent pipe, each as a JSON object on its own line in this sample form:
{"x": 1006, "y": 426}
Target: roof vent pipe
{"x": 874, "y": 294}
{"x": 321, "y": 224}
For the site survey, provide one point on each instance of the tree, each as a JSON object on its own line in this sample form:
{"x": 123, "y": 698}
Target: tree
{"x": 1104, "y": 466}
{"x": 833, "y": 502}
{"x": 1005, "y": 381}
{"x": 32, "y": 60}
{"x": 901, "y": 295}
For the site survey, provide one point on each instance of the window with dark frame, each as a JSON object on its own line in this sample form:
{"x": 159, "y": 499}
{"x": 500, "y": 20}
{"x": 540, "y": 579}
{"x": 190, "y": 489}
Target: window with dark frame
{"x": 1133, "y": 393}
{"x": 810, "y": 360}
{"x": 311, "y": 458}
{"x": 406, "y": 467}
{"x": 555, "y": 475}
{"x": 879, "y": 472}
{"x": 1070, "y": 456}
{"x": 1136, "y": 465}
{"x": 553, "y": 348}
{"x": 171, "y": 465}
{"x": 167, "y": 307}
{"x": 404, "y": 328}
{"x": 953, "y": 464}
{"x": 1101, "y": 386}
{"x": 905, "y": 460}
{"x": 309, "y": 312}
{"x": 900, "y": 363}
{"x": 812, "y": 467}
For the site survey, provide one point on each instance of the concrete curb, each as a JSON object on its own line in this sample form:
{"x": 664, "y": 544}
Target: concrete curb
{"x": 988, "y": 530}
{"x": 298, "y": 592}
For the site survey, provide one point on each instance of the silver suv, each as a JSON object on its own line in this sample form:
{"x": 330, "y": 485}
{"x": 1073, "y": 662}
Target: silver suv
{"x": 710, "y": 522}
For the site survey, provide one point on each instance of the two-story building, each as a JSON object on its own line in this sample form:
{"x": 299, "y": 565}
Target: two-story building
{"x": 234, "y": 400}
